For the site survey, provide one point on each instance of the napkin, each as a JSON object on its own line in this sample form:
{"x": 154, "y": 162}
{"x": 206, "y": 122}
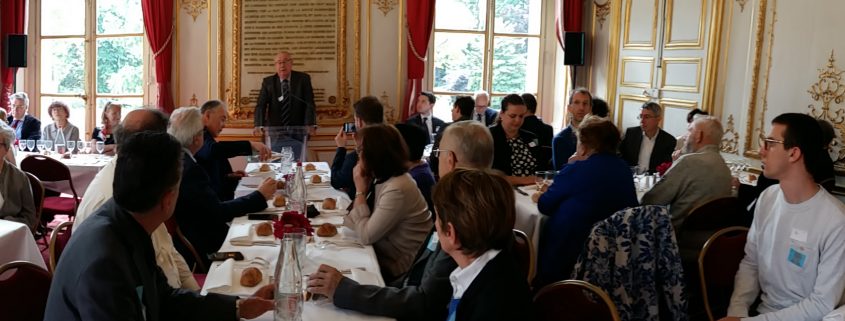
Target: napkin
{"x": 253, "y": 181}
{"x": 364, "y": 277}
{"x": 244, "y": 235}
{"x": 226, "y": 278}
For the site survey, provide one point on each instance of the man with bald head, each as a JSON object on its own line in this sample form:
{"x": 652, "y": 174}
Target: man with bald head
{"x": 175, "y": 269}
{"x": 700, "y": 175}
{"x": 286, "y": 98}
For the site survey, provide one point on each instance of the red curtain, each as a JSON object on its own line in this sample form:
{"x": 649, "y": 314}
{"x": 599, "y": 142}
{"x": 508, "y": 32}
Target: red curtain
{"x": 568, "y": 14}
{"x": 158, "y": 22}
{"x": 420, "y": 21}
{"x": 14, "y": 18}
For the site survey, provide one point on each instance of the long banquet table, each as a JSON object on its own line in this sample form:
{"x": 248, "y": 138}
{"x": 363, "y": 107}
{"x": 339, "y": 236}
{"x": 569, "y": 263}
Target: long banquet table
{"x": 360, "y": 261}
{"x": 83, "y": 168}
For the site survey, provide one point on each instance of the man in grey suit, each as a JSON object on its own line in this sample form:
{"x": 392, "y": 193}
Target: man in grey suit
{"x": 108, "y": 270}
{"x": 424, "y": 293}
{"x": 700, "y": 175}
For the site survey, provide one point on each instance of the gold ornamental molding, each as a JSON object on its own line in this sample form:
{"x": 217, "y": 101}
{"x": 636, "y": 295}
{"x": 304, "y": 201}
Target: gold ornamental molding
{"x": 602, "y": 10}
{"x": 386, "y": 6}
{"x": 749, "y": 150}
{"x": 741, "y": 5}
{"x": 830, "y": 88}
{"x": 389, "y": 111}
{"x": 730, "y": 140}
{"x": 194, "y": 7}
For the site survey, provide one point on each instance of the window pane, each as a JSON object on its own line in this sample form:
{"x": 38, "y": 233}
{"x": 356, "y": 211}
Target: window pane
{"x": 496, "y": 102}
{"x": 77, "y": 111}
{"x": 119, "y": 17}
{"x": 120, "y": 66}
{"x": 62, "y": 17}
{"x": 518, "y": 16}
{"x": 458, "y": 61}
{"x": 62, "y": 66}
{"x": 515, "y": 64}
{"x": 461, "y": 14}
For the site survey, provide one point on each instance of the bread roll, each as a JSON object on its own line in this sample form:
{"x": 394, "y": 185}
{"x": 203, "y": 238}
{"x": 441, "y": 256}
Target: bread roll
{"x": 264, "y": 229}
{"x": 264, "y": 168}
{"x": 251, "y": 276}
{"x": 310, "y": 167}
{"x": 280, "y": 201}
{"x": 326, "y": 230}
{"x": 329, "y": 204}
{"x": 316, "y": 179}
{"x": 280, "y": 184}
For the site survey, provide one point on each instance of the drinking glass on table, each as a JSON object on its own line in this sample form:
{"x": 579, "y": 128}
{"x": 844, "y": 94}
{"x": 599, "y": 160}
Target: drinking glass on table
{"x": 30, "y": 145}
{"x": 21, "y": 145}
{"x": 48, "y": 144}
{"x": 101, "y": 146}
{"x": 40, "y": 144}
{"x": 71, "y": 145}
{"x": 539, "y": 179}
{"x": 80, "y": 146}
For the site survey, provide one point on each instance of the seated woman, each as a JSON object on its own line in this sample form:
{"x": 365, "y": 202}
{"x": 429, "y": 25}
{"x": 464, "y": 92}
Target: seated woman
{"x": 415, "y": 138}
{"x": 591, "y": 187}
{"x": 475, "y": 216}
{"x": 389, "y": 211}
{"x": 515, "y": 151}
{"x": 60, "y": 113}
{"x": 105, "y": 134}
{"x": 16, "y": 200}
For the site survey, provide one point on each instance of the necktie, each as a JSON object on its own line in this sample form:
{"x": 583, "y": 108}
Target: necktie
{"x": 285, "y": 111}
{"x": 478, "y": 117}
{"x": 426, "y": 124}
{"x": 453, "y": 309}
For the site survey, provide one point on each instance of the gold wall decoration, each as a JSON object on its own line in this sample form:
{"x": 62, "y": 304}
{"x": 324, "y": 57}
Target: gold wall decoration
{"x": 741, "y": 5}
{"x": 730, "y": 140}
{"x": 386, "y": 6}
{"x": 194, "y": 7}
{"x": 602, "y": 10}
{"x": 830, "y": 88}
{"x": 389, "y": 111}
{"x": 755, "y": 82}
{"x": 194, "y": 101}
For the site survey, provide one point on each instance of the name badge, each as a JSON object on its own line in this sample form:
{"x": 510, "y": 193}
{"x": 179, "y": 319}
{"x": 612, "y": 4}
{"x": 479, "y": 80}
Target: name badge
{"x": 799, "y": 235}
{"x": 533, "y": 143}
{"x": 796, "y": 257}
{"x": 432, "y": 242}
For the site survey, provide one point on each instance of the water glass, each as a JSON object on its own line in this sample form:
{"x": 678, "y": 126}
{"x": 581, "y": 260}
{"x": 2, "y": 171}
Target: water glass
{"x": 30, "y": 145}
{"x": 539, "y": 179}
{"x": 21, "y": 145}
{"x": 101, "y": 146}
{"x": 48, "y": 144}
{"x": 71, "y": 145}
{"x": 40, "y": 144}
{"x": 80, "y": 145}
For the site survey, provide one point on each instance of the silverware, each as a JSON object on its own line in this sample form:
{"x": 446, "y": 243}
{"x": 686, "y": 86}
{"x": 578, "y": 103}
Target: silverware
{"x": 520, "y": 191}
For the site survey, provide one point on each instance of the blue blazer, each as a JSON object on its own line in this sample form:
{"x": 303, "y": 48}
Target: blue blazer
{"x": 582, "y": 194}
{"x": 563, "y": 146}
{"x": 31, "y": 127}
{"x": 214, "y": 158}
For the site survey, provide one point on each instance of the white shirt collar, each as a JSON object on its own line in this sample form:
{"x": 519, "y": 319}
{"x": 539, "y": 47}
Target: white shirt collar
{"x": 461, "y": 279}
{"x": 191, "y": 155}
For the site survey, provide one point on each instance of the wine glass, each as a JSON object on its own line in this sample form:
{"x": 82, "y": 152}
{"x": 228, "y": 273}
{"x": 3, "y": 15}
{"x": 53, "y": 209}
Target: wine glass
{"x": 539, "y": 179}
{"x": 30, "y": 145}
{"x": 21, "y": 145}
{"x": 550, "y": 177}
{"x": 71, "y": 145}
{"x": 101, "y": 146}
{"x": 40, "y": 144}
{"x": 48, "y": 144}
{"x": 80, "y": 146}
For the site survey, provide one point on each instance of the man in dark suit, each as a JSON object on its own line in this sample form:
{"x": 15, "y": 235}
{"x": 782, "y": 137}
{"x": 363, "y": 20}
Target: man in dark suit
{"x": 483, "y": 112}
{"x": 647, "y": 146}
{"x": 564, "y": 143}
{"x": 201, "y": 216}
{"x": 543, "y": 131}
{"x": 424, "y": 118}
{"x": 25, "y": 126}
{"x": 286, "y": 99}
{"x": 108, "y": 270}
{"x": 214, "y": 156}
{"x": 367, "y": 111}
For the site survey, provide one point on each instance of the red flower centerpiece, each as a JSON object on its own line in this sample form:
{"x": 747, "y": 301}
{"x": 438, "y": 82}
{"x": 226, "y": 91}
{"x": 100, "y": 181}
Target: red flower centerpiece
{"x": 662, "y": 168}
{"x": 289, "y": 221}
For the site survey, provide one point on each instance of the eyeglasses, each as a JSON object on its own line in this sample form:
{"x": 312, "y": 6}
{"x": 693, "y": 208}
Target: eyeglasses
{"x": 646, "y": 117}
{"x": 766, "y": 142}
{"x": 438, "y": 152}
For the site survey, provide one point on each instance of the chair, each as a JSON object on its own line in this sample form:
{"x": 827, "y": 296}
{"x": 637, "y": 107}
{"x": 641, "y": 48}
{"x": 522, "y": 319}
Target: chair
{"x": 48, "y": 169}
{"x": 173, "y": 229}
{"x": 38, "y": 197}
{"x": 574, "y": 300}
{"x": 717, "y": 214}
{"x": 524, "y": 252}
{"x": 58, "y": 241}
{"x": 717, "y": 265}
{"x": 23, "y": 291}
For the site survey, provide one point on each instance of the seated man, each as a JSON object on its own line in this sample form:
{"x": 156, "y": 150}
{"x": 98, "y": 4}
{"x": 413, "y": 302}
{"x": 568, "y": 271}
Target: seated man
{"x": 25, "y": 125}
{"x": 700, "y": 175}
{"x": 424, "y": 118}
{"x": 564, "y": 143}
{"x": 543, "y": 131}
{"x": 100, "y": 191}
{"x": 368, "y": 111}
{"x": 647, "y": 146}
{"x": 202, "y": 217}
{"x": 475, "y": 217}
{"x": 214, "y": 156}
{"x": 461, "y": 110}
{"x": 795, "y": 248}
{"x": 483, "y": 113}
{"x": 108, "y": 269}
{"x": 424, "y": 292}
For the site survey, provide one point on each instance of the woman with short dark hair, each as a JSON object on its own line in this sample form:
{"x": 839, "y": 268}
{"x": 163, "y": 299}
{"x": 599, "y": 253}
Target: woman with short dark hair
{"x": 389, "y": 211}
{"x": 60, "y": 113}
{"x": 592, "y": 186}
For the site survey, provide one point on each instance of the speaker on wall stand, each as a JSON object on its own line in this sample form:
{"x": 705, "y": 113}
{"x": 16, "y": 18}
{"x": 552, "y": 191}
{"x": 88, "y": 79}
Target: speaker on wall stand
{"x": 14, "y": 51}
{"x": 573, "y": 55}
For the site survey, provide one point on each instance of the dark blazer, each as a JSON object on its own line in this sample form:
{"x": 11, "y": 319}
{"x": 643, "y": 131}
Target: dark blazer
{"x": 563, "y": 146}
{"x": 108, "y": 272}
{"x": 502, "y": 151}
{"x": 31, "y": 127}
{"x": 214, "y": 158}
{"x": 436, "y": 125}
{"x": 202, "y": 217}
{"x": 664, "y": 145}
{"x": 544, "y": 134}
{"x": 268, "y": 110}
{"x": 499, "y": 292}
{"x": 416, "y": 299}
{"x": 95, "y": 135}
{"x": 342, "y": 166}
{"x": 489, "y": 116}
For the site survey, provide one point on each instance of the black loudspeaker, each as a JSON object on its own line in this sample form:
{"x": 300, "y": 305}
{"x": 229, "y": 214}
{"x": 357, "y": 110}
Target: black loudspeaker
{"x": 574, "y": 52}
{"x": 14, "y": 51}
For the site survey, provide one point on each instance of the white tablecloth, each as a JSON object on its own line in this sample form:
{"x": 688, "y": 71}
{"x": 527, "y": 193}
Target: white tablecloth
{"x": 339, "y": 257}
{"x": 528, "y": 217}
{"x": 18, "y": 244}
{"x": 83, "y": 168}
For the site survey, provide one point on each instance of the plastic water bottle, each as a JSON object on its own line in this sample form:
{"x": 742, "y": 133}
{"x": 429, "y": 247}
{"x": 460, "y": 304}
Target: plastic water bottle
{"x": 297, "y": 197}
{"x": 288, "y": 296}
{"x": 61, "y": 142}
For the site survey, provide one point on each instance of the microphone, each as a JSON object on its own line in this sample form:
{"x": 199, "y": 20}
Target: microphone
{"x": 285, "y": 89}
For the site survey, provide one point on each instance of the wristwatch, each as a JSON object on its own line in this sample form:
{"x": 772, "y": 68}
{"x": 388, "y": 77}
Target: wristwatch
{"x": 358, "y": 193}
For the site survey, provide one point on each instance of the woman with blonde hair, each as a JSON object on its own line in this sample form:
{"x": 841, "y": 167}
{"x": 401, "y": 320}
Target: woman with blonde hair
{"x": 105, "y": 134}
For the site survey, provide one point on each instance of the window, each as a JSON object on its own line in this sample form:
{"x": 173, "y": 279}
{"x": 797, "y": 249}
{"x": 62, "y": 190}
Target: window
{"x": 491, "y": 45}
{"x": 91, "y": 52}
